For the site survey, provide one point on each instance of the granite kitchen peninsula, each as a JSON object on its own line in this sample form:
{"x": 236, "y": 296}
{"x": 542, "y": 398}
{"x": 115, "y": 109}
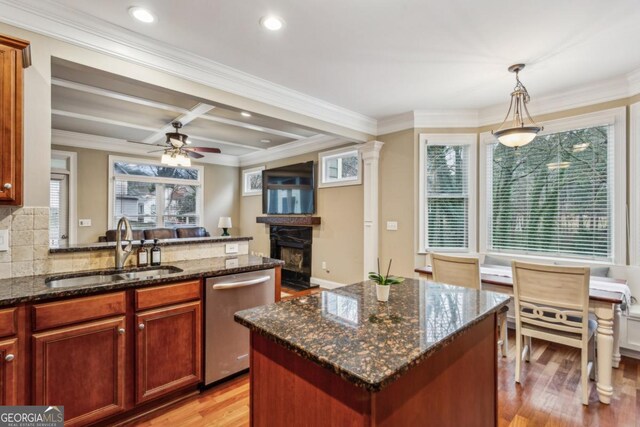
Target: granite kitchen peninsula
{"x": 340, "y": 357}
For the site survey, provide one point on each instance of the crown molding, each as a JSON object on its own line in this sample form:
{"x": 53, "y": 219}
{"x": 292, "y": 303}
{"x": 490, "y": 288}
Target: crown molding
{"x": 291, "y": 149}
{"x": 115, "y": 145}
{"x": 603, "y": 91}
{"x": 72, "y": 26}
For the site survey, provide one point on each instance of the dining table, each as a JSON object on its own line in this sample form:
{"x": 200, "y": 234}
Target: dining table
{"x": 606, "y": 298}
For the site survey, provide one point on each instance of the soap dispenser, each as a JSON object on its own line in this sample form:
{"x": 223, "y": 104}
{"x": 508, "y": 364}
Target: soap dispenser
{"x": 156, "y": 254}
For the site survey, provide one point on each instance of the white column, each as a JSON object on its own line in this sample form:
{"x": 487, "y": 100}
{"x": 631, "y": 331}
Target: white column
{"x": 370, "y": 152}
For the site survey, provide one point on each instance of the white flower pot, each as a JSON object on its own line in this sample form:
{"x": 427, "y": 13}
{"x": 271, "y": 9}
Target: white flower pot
{"x": 382, "y": 292}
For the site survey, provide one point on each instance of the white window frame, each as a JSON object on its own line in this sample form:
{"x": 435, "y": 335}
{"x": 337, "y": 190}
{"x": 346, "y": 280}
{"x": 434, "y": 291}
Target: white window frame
{"x": 615, "y": 117}
{"x": 72, "y": 171}
{"x": 634, "y": 187}
{"x": 339, "y": 182}
{"x": 245, "y": 176}
{"x": 469, "y": 139}
{"x": 160, "y": 209}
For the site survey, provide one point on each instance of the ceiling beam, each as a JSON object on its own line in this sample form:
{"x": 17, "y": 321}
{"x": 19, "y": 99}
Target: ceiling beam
{"x": 218, "y": 141}
{"x": 102, "y": 120}
{"x": 252, "y": 127}
{"x": 185, "y": 118}
{"x": 116, "y": 95}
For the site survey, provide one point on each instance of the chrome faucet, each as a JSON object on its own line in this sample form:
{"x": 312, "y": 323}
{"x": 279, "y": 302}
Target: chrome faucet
{"x": 122, "y": 254}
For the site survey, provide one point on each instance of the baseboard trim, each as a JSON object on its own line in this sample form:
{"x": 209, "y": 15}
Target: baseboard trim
{"x": 633, "y": 354}
{"x": 326, "y": 284}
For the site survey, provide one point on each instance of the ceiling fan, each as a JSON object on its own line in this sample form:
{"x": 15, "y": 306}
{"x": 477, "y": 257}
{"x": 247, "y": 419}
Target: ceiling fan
{"x": 176, "y": 151}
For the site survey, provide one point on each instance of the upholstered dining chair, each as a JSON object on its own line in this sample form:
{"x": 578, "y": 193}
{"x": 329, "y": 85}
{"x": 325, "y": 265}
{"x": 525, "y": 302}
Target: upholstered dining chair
{"x": 552, "y": 304}
{"x": 462, "y": 271}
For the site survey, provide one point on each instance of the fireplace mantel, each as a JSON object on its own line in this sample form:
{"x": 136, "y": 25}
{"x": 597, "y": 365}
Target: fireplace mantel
{"x": 288, "y": 220}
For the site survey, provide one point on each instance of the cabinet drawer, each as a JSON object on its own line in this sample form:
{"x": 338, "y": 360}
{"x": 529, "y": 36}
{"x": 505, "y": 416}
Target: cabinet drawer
{"x": 8, "y": 322}
{"x": 60, "y": 313}
{"x": 159, "y": 296}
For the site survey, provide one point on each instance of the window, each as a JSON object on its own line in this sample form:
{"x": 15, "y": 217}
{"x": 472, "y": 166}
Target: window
{"x": 252, "y": 181}
{"x": 153, "y": 195}
{"x": 556, "y": 196}
{"x": 447, "y": 192}
{"x": 62, "y": 206}
{"x": 340, "y": 167}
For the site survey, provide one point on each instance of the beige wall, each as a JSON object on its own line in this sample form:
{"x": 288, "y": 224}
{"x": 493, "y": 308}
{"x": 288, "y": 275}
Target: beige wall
{"x": 221, "y": 193}
{"x": 337, "y": 241}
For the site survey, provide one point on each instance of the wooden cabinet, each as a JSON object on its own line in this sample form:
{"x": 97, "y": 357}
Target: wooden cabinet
{"x": 83, "y": 368}
{"x": 9, "y": 372}
{"x": 168, "y": 350}
{"x": 11, "y": 62}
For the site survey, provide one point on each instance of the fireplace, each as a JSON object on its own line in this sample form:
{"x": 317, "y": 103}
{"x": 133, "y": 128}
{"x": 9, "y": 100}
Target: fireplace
{"x": 293, "y": 245}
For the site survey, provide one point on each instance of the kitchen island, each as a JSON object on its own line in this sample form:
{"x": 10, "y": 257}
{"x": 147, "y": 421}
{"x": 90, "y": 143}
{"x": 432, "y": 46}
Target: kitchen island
{"x": 428, "y": 357}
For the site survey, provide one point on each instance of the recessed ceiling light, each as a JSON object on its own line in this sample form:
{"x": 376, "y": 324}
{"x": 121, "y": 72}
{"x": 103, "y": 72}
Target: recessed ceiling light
{"x": 142, "y": 14}
{"x": 246, "y": 114}
{"x": 272, "y": 22}
{"x": 265, "y": 141}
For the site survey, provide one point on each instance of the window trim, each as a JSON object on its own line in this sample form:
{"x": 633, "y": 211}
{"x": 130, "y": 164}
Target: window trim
{"x": 634, "y": 187}
{"x": 340, "y": 152}
{"x": 72, "y": 171}
{"x": 471, "y": 140}
{"x": 615, "y": 117}
{"x": 246, "y": 172}
{"x": 112, "y": 178}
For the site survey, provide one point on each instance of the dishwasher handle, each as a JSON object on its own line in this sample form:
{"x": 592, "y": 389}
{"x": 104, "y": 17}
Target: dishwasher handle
{"x": 241, "y": 284}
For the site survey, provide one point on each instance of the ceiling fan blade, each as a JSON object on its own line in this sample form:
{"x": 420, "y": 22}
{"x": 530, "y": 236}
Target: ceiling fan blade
{"x": 156, "y": 151}
{"x": 194, "y": 155}
{"x": 145, "y": 144}
{"x": 203, "y": 149}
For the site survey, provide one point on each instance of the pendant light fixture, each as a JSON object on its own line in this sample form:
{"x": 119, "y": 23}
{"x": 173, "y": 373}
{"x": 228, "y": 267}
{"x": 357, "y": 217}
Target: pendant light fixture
{"x": 514, "y": 131}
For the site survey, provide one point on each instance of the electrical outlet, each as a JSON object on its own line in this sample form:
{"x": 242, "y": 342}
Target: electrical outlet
{"x": 324, "y": 265}
{"x": 4, "y": 240}
{"x": 231, "y": 263}
{"x": 84, "y": 223}
{"x": 231, "y": 248}
{"x": 392, "y": 225}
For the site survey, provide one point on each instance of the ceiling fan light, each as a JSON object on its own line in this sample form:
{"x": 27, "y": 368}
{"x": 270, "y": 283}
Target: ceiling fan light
{"x": 517, "y": 137}
{"x": 168, "y": 159}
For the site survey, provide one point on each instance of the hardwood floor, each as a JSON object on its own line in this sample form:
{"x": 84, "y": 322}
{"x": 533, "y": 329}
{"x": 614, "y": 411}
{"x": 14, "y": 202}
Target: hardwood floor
{"x": 549, "y": 396}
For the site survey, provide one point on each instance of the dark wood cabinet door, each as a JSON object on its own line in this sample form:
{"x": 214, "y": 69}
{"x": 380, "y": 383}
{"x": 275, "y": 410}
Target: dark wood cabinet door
{"x": 8, "y": 372}
{"x": 168, "y": 350}
{"x": 83, "y": 368}
{"x": 10, "y": 125}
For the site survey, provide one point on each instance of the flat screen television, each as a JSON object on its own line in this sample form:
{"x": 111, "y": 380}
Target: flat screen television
{"x": 289, "y": 190}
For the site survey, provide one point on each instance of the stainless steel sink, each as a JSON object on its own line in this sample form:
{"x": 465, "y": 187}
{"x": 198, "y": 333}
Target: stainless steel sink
{"x": 105, "y": 277}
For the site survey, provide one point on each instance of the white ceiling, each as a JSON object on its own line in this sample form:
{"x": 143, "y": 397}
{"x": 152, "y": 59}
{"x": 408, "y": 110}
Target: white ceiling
{"x": 384, "y": 57}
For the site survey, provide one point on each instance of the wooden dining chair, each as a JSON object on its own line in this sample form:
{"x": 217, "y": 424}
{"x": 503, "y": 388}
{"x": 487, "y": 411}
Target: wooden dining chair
{"x": 552, "y": 304}
{"x": 464, "y": 271}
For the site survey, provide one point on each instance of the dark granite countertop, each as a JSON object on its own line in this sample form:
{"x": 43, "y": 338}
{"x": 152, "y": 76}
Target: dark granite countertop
{"x": 367, "y": 342}
{"x": 101, "y": 246}
{"x": 34, "y": 288}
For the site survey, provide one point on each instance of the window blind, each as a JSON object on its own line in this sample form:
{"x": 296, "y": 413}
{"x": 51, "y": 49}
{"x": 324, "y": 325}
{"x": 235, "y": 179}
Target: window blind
{"x": 447, "y": 196}
{"x": 553, "y": 196}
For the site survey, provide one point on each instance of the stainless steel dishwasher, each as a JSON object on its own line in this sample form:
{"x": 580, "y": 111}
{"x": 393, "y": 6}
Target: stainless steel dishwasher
{"x": 227, "y": 342}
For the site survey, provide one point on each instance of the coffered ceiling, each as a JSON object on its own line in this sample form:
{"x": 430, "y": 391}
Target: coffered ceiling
{"x": 90, "y": 102}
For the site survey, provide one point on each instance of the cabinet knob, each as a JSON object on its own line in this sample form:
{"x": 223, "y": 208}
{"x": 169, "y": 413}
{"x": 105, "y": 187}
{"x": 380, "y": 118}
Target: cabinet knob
{"x": 141, "y": 326}
{"x": 121, "y": 331}
{"x": 9, "y": 357}
{"x": 7, "y": 186}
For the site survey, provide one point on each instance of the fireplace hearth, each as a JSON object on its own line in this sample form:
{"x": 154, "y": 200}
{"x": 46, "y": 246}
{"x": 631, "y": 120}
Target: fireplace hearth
{"x": 293, "y": 245}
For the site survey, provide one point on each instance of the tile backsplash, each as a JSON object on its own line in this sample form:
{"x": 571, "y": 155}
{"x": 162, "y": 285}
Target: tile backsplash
{"x": 29, "y": 255}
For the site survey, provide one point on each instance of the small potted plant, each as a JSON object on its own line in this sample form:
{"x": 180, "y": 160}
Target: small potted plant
{"x": 383, "y": 283}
